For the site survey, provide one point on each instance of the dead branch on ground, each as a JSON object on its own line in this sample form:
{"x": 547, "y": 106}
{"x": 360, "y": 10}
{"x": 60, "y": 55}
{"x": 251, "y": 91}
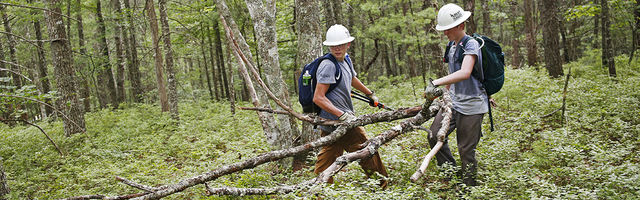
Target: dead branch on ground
{"x": 41, "y": 130}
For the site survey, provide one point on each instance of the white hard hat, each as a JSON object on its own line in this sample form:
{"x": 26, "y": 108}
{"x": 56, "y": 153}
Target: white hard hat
{"x": 337, "y": 35}
{"x": 451, "y": 15}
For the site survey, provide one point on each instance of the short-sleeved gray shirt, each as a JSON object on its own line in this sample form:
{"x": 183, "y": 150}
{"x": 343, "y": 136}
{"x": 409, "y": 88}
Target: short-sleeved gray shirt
{"x": 469, "y": 96}
{"x": 340, "y": 97}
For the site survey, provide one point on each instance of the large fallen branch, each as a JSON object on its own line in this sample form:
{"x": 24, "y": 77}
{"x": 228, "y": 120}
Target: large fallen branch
{"x": 441, "y": 135}
{"x": 367, "y": 151}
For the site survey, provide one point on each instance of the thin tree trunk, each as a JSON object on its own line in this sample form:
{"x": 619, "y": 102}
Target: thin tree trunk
{"x": 530, "y": 31}
{"x": 636, "y": 32}
{"x": 132, "y": 56}
{"x": 214, "y": 74}
{"x": 204, "y": 58}
{"x": 11, "y": 44}
{"x": 550, "y": 36}
{"x": 596, "y": 27}
{"x": 221, "y": 64}
{"x": 81, "y": 67}
{"x": 486, "y": 18}
{"x": 120, "y": 57}
{"x": 41, "y": 70}
{"x": 332, "y": 12}
{"x": 607, "y": 49}
{"x": 515, "y": 43}
{"x": 472, "y": 26}
{"x": 232, "y": 91}
{"x": 173, "y": 91}
{"x": 4, "y": 188}
{"x": 153, "y": 21}
{"x": 64, "y": 73}
{"x": 106, "y": 93}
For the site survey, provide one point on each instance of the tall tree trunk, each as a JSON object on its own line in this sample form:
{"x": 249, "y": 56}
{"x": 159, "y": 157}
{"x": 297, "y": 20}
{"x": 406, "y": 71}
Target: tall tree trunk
{"x": 333, "y": 12}
{"x": 171, "y": 74}
{"x": 565, "y": 45}
{"x": 309, "y": 47}
{"x": 530, "y": 31}
{"x": 64, "y": 73}
{"x": 11, "y": 44}
{"x": 214, "y": 74}
{"x": 232, "y": 91}
{"x": 596, "y": 28}
{"x": 4, "y": 188}
{"x": 153, "y": 21}
{"x": 263, "y": 14}
{"x": 120, "y": 57}
{"x": 636, "y": 32}
{"x": 221, "y": 63}
{"x": 82, "y": 65}
{"x": 607, "y": 49}
{"x": 516, "y": 60}
{"x": 132, "y": 57}
{"x": 486, "y": 18}
{"x": 204, "y": 58}
{"x": 42, "y": 81}
{"x": 472, "y": 26}
{"x": 258, "y": 96}
{"x": 106, "y": 93}
{"x": 550, "y": 34}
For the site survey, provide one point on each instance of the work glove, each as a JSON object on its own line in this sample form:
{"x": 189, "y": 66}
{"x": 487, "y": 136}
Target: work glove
{"x": 374, "y": 100}
{"x": 431, "y": 92}
{"x": 347, "y": 117}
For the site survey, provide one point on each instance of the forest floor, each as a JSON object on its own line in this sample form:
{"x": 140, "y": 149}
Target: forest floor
{"x": 592, "y": 154}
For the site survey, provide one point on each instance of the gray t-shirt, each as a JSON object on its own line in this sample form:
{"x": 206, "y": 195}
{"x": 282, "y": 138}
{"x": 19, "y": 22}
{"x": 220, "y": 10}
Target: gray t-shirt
{"x": 469, "y": 96}
{"x": 340, "y": 97}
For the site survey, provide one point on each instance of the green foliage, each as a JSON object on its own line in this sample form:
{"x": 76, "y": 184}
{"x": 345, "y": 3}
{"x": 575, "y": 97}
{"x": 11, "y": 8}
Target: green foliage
{"x": 589, "y": 155}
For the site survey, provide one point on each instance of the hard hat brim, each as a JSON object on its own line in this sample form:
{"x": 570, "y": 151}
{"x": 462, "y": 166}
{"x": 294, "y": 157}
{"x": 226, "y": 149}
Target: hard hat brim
{"x": 465, "y": 16}
{"x": 347, "y": 40}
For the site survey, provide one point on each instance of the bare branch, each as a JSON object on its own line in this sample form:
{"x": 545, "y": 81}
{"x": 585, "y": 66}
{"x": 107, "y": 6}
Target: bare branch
{"x": 38, "y": 8}
{"x": 136, "y": 185}
{"x": 313, "y": 120}
{"x": 46, "y": 104}
{"x": 14, "y": 72}
{"x": 41, "y": 130}
{"x": 441, "y": 135}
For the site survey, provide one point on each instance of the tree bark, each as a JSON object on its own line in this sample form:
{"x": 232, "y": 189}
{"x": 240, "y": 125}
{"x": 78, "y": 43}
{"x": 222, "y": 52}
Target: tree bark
{"x": 550, "y": 34}
{"x": 64, "y": 73}
{"x": 82, "y": 65}
{"x": 132, "y": 57}
{"x": 596, "y": 28}
{"x": 472, "y": 26}
{"x": 214, "y": 74}
{"x": 153, "y": 22}
{"x": 204, "y": 58}
{"x": 42, "y": 81}
{"x": 530, "y": 31}
{"x": 173, "y": 90}
{"x": 232, "y": 91}
{"x": 4, "y": 188}
{"x": 486, "y": 18}
{"x": 106, "y": 86}
{"x": 607, "y": 49}
{"x": 516, "y": 60}
{"x": 221, "y": 64}
{"x": 333, "y": 12}
{"x": 636, "y": 32}
{"x": 11, "y": 44}
{"x": 309, "y": 48}
{"x": 120, "y": 56}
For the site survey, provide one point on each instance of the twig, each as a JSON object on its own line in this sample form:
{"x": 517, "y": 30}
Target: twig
{"x": 136, "y": 185}
{"x": 14, "y": 72}
{"x": 41, "y": 130}
{"x": 38, "y": 8}
{"x": 441, "y": 135}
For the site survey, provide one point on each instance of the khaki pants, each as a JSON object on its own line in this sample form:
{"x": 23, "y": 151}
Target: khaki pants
{"x": 350, "y": 142}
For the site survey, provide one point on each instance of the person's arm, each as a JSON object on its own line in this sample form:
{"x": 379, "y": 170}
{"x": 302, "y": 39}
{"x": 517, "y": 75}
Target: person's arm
{"x": 356, "y": 83}
{"x": 463, "y": 74}
{"x": 323, "y": 102}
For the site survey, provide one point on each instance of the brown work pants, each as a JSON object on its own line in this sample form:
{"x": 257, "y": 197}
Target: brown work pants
{"x": 350, "y": 142}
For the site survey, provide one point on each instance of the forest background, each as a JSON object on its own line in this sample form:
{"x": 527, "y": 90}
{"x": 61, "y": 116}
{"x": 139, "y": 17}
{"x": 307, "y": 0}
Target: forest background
{"x": 152, "y": 96}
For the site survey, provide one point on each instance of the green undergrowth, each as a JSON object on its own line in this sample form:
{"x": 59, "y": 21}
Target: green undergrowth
{"x": 591, "y": 153}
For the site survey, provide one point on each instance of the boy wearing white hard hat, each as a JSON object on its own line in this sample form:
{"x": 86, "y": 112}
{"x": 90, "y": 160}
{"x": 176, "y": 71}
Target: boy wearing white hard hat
{"x": 337, "y": 105}
{"x": 467, "y": 93}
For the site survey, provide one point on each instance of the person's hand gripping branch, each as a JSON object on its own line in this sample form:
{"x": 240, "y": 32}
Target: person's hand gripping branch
{"x": 431, "y": 92}
{"x": 347, "y": 117}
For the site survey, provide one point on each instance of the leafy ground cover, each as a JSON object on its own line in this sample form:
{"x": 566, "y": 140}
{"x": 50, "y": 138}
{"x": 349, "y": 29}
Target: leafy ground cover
{"x": 591, "y": 154}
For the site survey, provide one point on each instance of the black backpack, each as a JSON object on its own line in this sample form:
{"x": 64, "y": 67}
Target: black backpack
{"x": 492, "y": 74}
{"x": 307, "y": 82}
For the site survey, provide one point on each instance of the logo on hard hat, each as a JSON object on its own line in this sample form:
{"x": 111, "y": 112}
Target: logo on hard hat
{"x": 456, "y": 15}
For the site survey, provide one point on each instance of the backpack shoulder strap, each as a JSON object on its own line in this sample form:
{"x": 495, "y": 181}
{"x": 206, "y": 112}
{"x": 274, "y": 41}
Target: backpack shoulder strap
{"x": 338, "y": 72}
{"x": 475, "y": 71}
{"x": 445, "y": 58}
